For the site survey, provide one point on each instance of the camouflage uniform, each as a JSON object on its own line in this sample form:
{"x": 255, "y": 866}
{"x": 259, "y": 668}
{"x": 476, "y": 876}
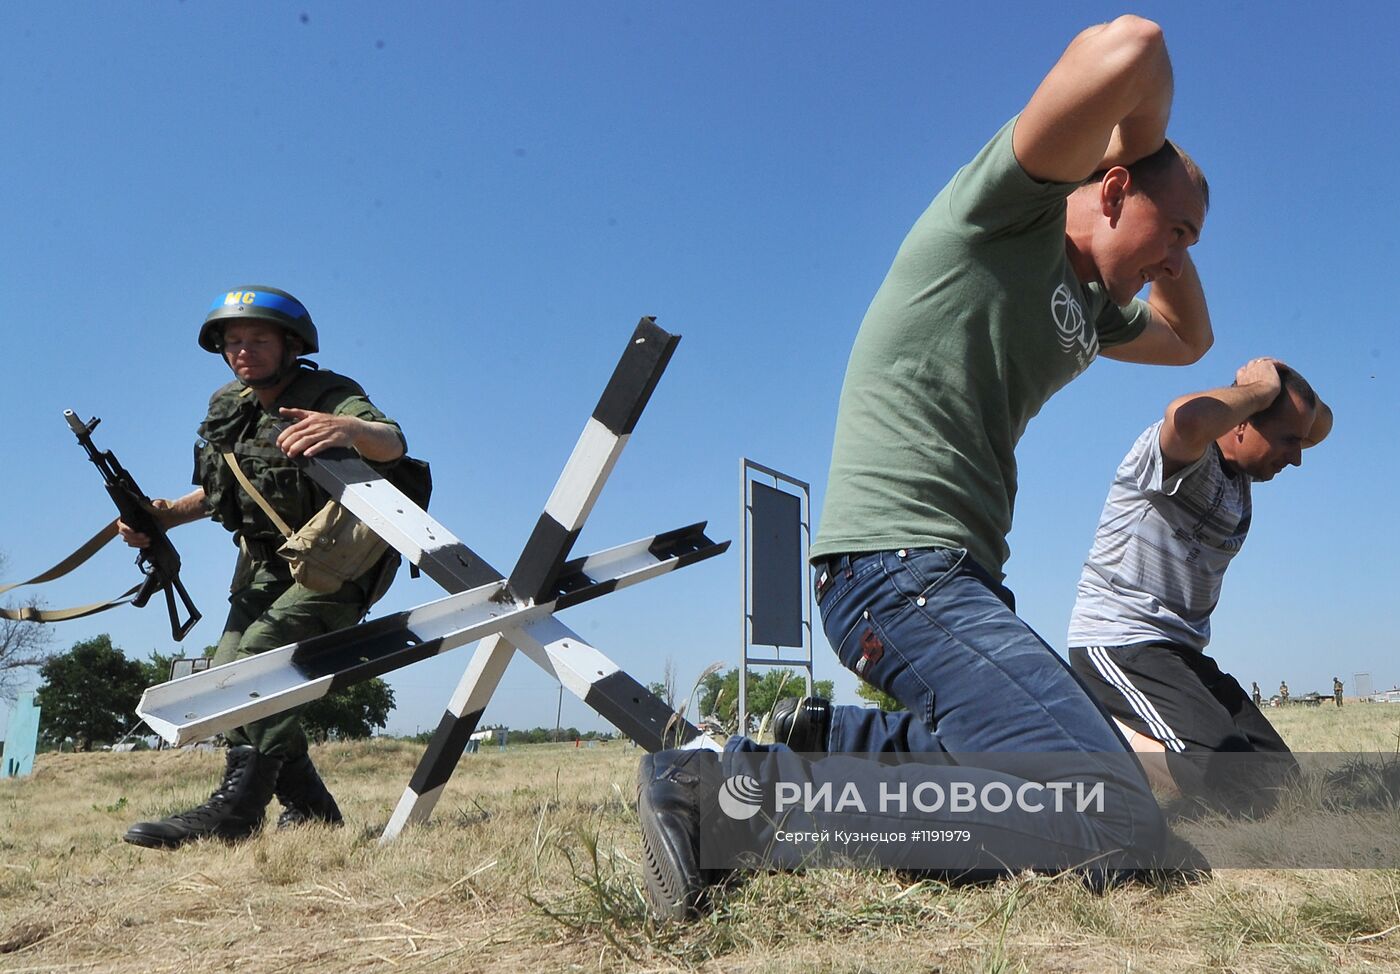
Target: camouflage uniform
{"x": 267, "y": 608}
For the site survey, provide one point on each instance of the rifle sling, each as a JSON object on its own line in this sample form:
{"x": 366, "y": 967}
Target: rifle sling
{"x": 85, "y": 551}
{"x": 30, "y": 614}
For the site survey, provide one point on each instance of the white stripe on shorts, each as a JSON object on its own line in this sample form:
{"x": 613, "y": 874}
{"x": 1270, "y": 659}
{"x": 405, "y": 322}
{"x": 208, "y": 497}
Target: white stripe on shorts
{"x": 1142, "y": 706}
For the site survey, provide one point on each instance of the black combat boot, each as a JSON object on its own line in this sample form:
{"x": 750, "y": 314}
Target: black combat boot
{"x": 304, "y": 796}
{"x": 672, "y": 789}
{"x": 233, "y": 812}
{"x": 803, "y": 725}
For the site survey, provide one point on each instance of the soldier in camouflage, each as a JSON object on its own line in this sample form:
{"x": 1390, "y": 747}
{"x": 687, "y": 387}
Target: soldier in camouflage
{"x": 262, "y": 334}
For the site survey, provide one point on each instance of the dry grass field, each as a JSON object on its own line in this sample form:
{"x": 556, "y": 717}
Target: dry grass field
{"x": 530, "y": 865}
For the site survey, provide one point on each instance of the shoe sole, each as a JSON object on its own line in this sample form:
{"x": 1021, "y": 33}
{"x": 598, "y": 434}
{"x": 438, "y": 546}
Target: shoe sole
{"x": 152, "y": 842}
{"x": 157, "y": 842}
{"x": 800, "y": 732}
{"x": 671, "y": 895}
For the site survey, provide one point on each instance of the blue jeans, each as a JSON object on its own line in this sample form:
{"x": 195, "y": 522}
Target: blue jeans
{"x": 934, "y": 630}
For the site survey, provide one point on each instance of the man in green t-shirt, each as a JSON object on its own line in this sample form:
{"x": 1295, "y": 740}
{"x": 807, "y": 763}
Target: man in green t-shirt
{"x": 1026, "y": 265}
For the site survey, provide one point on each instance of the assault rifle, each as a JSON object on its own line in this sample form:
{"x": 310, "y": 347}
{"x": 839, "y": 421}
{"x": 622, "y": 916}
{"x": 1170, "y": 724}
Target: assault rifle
{"x": 159, "y": 561}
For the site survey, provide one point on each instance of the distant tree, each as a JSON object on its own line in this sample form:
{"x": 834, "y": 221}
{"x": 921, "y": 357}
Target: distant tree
{"x": 89, "y": 693}
{"x": 350, "y": 714}
{"x": 545, "y": 735}
{"x": 23, "y": 646}
{"x": 878, "y": 697}
{"x": 719, "y": 693}
{"x": 157, "y": 667}
{"x": 666, "y": 687}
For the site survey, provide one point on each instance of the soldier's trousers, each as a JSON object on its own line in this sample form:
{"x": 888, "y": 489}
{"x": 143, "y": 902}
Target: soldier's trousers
{"x": 268, "y": 611}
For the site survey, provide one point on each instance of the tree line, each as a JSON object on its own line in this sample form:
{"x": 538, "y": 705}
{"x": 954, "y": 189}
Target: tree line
{"x": 89, "y": 696}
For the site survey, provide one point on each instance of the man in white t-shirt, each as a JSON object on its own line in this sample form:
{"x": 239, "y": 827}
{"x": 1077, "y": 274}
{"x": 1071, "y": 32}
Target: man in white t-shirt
{"x": 1176, "y": 515}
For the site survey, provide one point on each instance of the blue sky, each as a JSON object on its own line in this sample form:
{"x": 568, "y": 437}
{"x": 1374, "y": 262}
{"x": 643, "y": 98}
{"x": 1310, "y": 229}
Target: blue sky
{"x": 478, "y": 201}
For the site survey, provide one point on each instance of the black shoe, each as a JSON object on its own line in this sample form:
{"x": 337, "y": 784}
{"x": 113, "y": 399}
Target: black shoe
{"x": 672, "y": 787}
{"x": 803, "y": 725}
{"x": 304, "y": 796}
{"x": 234, "y": 811}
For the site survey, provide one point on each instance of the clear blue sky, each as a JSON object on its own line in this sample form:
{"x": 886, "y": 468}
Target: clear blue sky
{"x": 478, "y": 201}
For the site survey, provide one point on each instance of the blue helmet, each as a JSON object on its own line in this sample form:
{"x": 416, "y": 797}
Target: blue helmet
{"x": 257, "y": 301}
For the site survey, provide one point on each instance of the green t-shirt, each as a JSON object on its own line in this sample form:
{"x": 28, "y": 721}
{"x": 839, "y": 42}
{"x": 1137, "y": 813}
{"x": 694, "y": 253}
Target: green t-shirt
{"x": 979, "y": 321}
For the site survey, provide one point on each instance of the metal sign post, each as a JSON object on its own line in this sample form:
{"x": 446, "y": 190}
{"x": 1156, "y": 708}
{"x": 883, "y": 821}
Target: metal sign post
{"x": 777, "y": 599}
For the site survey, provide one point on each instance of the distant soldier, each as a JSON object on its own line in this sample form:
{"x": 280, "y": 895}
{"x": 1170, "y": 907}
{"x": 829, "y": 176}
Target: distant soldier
{"x": 1337, "y": 690}
{"x": 1256, "y": 694}
{"x": 1282, "y": 693}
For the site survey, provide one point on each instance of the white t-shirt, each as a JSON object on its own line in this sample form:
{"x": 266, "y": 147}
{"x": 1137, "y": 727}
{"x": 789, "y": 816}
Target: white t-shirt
{"x": 1161, "y": 549}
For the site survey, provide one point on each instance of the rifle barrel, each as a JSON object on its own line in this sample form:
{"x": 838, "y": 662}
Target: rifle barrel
{"x": 74, "y": 423}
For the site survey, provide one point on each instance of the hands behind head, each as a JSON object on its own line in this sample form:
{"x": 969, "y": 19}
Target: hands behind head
{"x": 1260, "y": 370}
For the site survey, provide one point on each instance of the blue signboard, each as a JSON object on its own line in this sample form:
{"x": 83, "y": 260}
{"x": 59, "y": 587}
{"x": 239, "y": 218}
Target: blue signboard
{"x": 21, "y": 738}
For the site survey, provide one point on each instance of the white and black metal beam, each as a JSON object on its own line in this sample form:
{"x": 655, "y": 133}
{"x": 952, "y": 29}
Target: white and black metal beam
{"x": 588, "y": 467}
{"x": 231, "y": 695}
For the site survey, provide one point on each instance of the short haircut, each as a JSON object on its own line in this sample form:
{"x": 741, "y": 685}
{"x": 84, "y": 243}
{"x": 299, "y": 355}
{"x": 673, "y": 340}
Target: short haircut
{"x": 1289, "y": 381}
{"x": 1150, "y": 172}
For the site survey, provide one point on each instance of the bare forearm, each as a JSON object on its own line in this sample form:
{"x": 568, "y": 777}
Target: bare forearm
{"x": 313, "y": 432}
{"x": 1202, "y": 417}
{"x": 183, "y": 510}
{"x": 1180, "y": 303}
{"x": 1178, "y": 332}
{"x": 1143, "y": 129}
{"x": 170, "y": 514}
{"x": 377, "y": 441}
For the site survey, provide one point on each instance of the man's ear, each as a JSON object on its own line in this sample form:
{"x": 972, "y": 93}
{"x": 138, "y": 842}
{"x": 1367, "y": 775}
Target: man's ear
{"x": 1113, "y": 190}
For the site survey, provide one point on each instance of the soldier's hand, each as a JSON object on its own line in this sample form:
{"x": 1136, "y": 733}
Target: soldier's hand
{"x": 311, "y": 433}
{"x": 160, "y": 509}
